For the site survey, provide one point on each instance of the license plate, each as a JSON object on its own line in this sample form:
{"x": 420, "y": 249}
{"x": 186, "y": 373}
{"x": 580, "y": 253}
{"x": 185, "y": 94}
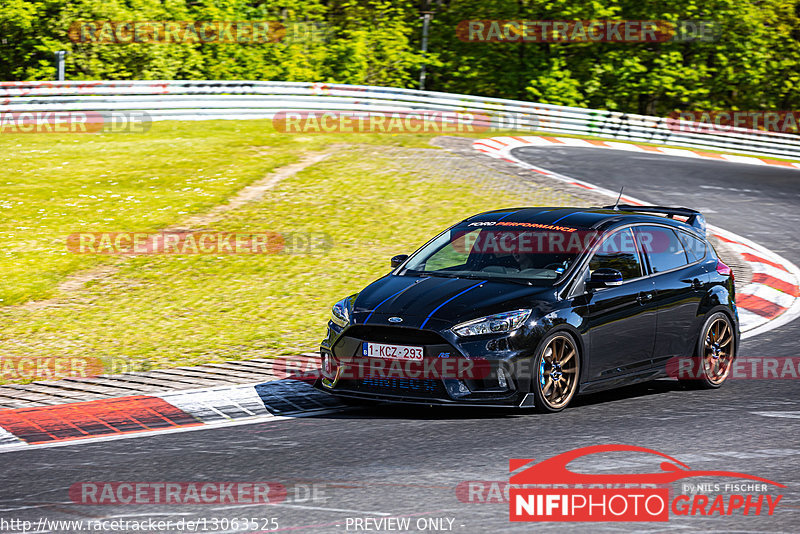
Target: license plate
{"x": 392, "y": 352}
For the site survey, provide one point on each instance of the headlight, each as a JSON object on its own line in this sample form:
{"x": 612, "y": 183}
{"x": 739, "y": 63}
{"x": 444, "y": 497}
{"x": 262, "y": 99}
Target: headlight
{"x": 340, "y": 313}
{"x": 493, "y": 324}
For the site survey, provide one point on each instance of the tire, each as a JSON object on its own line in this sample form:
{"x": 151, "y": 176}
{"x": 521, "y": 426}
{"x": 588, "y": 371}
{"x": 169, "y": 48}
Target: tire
{"x": 714, "y": 354}
{"x": 556, "y": 373}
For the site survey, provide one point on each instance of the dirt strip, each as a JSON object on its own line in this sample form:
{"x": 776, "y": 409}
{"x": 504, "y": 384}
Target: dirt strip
{"x": 250, "y": 193}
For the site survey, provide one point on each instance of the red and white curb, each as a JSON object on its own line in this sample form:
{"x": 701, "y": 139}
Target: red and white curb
{"x": 179, "y": 411}
{"x": 771, "y": 300}
{"x": 498, "y": 144}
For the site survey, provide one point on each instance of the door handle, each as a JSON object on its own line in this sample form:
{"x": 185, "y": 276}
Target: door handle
{"x": 697, "y": 285}
{"x": 644, "y": 296}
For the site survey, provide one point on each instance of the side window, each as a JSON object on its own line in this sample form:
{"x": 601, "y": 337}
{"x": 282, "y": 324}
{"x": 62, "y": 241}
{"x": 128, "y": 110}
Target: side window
{"x": 663, "y": 248}
{"x": 695, "y": 248}
{"x": 618, "y": 251}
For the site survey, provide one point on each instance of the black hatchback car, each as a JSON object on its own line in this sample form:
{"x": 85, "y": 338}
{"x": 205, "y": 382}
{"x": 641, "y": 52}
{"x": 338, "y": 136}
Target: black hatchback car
{"x": 529, "y": 307}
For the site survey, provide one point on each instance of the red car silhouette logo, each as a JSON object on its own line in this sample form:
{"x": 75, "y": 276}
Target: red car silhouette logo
{"x": 554, "y": 470}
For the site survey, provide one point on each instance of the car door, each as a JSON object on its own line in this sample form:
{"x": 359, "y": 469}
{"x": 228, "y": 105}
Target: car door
{"x": 679, "y": 288}
{"x": 621, "y": 320}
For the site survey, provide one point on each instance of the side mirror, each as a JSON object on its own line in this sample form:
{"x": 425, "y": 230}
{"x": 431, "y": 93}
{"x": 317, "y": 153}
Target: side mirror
{"x": 398, "y": 260}
{"x": 605, "y": 278}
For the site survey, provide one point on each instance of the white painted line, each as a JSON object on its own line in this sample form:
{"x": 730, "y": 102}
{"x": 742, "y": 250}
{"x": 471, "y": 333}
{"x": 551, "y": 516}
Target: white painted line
{"x": 505, "y": 140}
{"x": 749, "y": 320}
{"x": 743, "y": 159}
{"x": 681, "y": 152}
{"x": 491, "y": 143}
{"x": 623, "y": 146}
{"x": 491, "y": 150}
{"x": 787, "y": 415}
{"x": 535, "y": 140}
{"x": 784, "y": 300}
{"x": 9, "y": 439}
{"x": 242, "y": 408}
{"x": 573, "y": 141}
{"x": 204, "y": 404}
{"x": 745, "y": 249}
{"x": 774, "y": 272}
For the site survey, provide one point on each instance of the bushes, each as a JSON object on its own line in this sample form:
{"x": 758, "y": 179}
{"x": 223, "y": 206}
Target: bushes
{"x": 753, "y": 62}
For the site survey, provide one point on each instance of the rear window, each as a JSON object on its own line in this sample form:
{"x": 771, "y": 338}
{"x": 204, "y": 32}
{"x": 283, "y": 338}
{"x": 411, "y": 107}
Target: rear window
{"x": 663, "y": 248}
{"x": 695, "y": 248}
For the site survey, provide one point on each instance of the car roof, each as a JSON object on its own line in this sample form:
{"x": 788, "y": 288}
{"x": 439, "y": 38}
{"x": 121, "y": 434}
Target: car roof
{"x": 579, "y": 218}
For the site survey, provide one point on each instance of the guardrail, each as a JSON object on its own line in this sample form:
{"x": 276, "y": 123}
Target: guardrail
{"x": 206, "y": 100}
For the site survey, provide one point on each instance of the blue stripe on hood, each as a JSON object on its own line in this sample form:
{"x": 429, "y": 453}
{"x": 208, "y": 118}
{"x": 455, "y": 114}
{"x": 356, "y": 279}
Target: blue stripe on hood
{"x": 448, "y": 300}
{"x": 390, "y": 297}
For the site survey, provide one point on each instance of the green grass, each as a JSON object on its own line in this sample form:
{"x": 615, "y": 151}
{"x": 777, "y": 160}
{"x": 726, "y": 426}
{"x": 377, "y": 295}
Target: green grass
{"x": 160, "y": 311}
{"x": 59, "y": 184}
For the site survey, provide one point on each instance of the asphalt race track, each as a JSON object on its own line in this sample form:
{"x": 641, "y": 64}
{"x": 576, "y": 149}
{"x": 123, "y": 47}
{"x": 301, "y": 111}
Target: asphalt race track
{"x": 395, "y": 463}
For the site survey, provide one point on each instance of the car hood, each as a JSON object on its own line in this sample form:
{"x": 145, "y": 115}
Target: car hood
{"x": 438, "y": 299}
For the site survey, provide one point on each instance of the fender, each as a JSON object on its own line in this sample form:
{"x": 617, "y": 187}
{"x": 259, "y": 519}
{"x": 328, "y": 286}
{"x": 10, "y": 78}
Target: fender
{"x": 717, "y": 295}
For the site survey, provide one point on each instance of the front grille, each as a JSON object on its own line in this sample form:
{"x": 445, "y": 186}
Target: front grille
{"x": 397, "y": 335}
{"x": 397, "y": 386}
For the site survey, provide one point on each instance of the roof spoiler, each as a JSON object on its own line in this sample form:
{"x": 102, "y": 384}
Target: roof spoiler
{"x": 694, "y": 219}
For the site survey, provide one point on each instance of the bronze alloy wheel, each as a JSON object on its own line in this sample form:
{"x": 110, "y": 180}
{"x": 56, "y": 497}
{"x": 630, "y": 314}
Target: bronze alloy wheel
{"x": 718, "y": 350}
{"x": 557, "y": 376}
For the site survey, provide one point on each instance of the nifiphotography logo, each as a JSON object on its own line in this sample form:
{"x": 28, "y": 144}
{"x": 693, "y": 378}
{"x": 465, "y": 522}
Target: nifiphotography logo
{"x": 575, "y": 496}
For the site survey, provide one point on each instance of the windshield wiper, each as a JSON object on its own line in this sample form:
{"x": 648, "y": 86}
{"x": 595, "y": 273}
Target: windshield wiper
{"x": 492, "y": 276}
{"x": 440, "y": 274}
{"x": 481, "y": 276}
{"x": 522, "y": 281}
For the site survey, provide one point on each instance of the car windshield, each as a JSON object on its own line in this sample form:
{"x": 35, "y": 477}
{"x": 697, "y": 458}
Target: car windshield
{"x": 513, "y": 253}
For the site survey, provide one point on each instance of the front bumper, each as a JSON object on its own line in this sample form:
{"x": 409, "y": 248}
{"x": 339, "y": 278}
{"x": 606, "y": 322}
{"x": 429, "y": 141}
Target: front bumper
{"x": 519, "y": 400}
{"x": 446, "y": 376}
